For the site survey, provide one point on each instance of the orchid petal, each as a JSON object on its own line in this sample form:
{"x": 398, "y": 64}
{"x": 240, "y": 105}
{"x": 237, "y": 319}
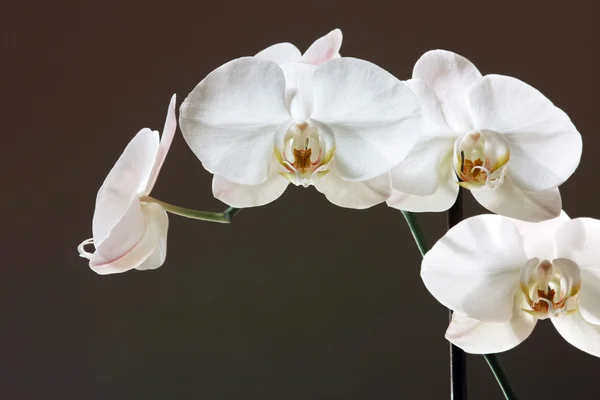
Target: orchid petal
{"x": 242, "y": 196}
{"x": 352, "y": 194}
{"x": 511, "y": 201}
{"x": 125, "y": 181}
{"x": 478, "y": 337}
{"x": 161, "y": 224}
{"x": 280, "y": 53}
{"x": 578, "y": 240}
{"x": 545, "y": 146}
{"x": 474, "y": 268}
{"x": 589, "y": 296}
{"x": 418, "y": 173}
{"x": 229, "y": 120}
{"x": 441, "y": 200}
{"x": 298, "y": 91}
{"x": 324, "y": 49}
{"x": 435, "y": 122}
{"x": 122, "y": 238}
{"x": 132, "y": 241}
{"x": 578, "y": 332}
{"x": 375, "y": 118}
{"x": 538, "y": 237}
{"x": 166, "y": 139}
{"x": 449, "y": 75}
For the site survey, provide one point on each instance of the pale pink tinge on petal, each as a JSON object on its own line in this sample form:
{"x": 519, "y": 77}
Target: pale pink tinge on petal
{"x": 160, "y": 224}
{"x": 132, "y": 241}
{"x": 449, "y": 75}
{"x": 122, "y": 239}
{"x": 126, "y": 180}
{"x": 166, "y": 139}
{"x": 324, "y": 49}
{"x": 127, "y": 233}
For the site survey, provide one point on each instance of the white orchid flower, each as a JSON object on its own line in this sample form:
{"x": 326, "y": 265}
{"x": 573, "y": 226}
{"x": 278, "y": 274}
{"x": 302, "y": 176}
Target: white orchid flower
{"x": 340, "y": 124}
{"x": 500, "y": 276}
{"x": 501, "y": 137}
{"x": 129, "y": 232}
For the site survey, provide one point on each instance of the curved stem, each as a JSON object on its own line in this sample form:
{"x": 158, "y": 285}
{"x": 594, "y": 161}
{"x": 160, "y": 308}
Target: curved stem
{"x": 224, "y": 217}
{"x": 492, "y": 359}
{"x": 500, "y": 375}
{"x": 458, "y": 358}
{"x": 416, "y": 231}
{"x": 231, "y": 211}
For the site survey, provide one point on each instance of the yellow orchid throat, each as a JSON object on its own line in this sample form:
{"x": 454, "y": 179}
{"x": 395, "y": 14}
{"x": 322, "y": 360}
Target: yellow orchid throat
{"x": 480, "y": 160}
{"x": 305, "y": 154}
{"x": 550, "y": 288}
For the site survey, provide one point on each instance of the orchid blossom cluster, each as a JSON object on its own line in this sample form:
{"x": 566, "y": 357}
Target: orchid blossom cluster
{"x": 363, "y": 137}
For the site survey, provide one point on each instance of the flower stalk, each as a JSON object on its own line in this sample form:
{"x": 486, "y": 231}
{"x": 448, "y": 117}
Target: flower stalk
{"x": 500, "y": 375}
{"x": 458, "y": 358}
{"x": 491, "y": 359}
{"x": 224, "y": 217}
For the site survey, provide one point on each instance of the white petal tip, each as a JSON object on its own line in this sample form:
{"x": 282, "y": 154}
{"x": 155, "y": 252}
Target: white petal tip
{"x": 337, "y": 32}
{"x": 172, "y": 103}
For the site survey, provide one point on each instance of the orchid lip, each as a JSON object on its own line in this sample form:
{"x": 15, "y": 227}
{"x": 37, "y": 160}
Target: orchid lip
{"x": 81, "y": 249}
{"x": 480, "y": 159}
{"x": 305, "y": 153}
{"x": 551, "y": 288}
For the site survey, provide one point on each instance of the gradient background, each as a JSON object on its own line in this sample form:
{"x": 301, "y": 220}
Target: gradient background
{"x": 295, "y": 300}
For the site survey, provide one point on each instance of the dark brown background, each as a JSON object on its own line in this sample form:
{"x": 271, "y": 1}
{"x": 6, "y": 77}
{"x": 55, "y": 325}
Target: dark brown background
{"x": 296, "y": 300}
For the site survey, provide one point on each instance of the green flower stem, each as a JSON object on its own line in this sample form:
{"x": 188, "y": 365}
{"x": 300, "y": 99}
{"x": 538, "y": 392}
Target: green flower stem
{"x": 415, "y": 229}
{"x": 224, "y": 217}
{"x": 458, "y": 358}
{"x": 500, "y": 375}
{"x": 492, "y": 359}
